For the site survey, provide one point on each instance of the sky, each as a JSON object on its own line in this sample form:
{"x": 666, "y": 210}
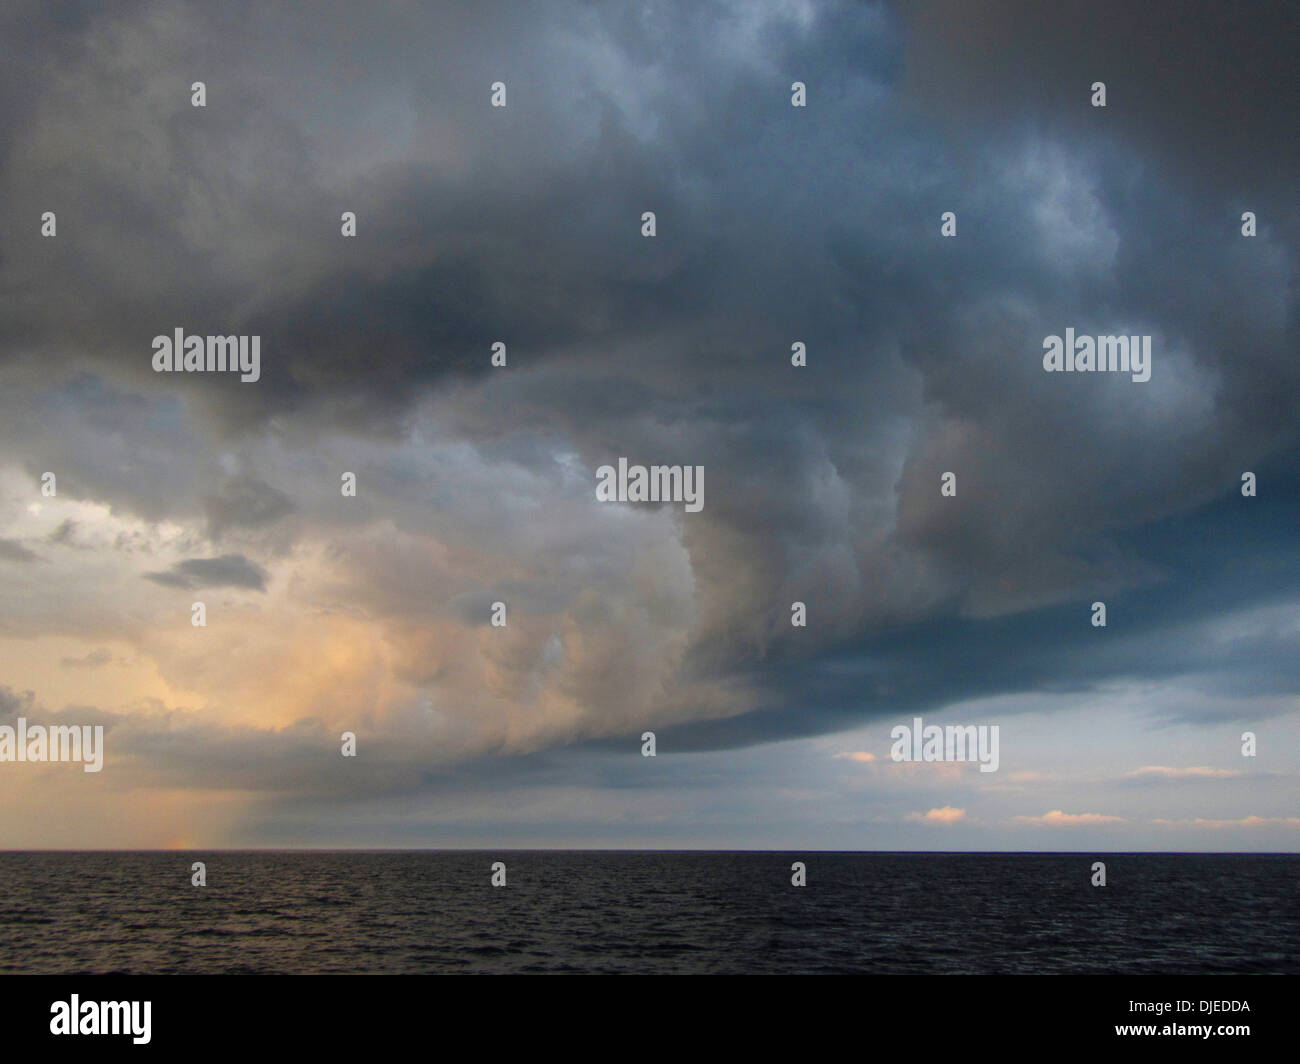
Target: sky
{"x": 372, "y": 614}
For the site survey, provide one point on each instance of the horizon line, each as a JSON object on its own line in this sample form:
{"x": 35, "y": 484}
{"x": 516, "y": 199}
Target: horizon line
{"x": 606, "y": 849}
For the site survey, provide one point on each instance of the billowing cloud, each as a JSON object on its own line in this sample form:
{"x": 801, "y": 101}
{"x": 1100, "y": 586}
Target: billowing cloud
{"x": 475, "y": 484}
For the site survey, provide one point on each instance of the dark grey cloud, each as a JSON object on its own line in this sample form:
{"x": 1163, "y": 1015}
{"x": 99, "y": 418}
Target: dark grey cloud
{"x": 1203, "y": 89}
{"x": 229, "y": 570}
{"x": 245, "y": 502}
{"x": 65, "y": 533}
{"x": 775, "y": 225}
{"x": 13, "y": 551}
{"x": 15, "y": 703}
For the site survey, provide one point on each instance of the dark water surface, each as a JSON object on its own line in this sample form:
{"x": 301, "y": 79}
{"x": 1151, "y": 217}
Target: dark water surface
{"x": 642, "y": 912}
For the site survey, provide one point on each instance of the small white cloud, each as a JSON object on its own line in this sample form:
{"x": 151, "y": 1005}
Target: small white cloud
{"x": 1057, "y": 817}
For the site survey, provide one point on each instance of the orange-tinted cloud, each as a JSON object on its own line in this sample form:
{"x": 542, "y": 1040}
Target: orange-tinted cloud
{"x": 1058, "y": 818}
{"x": 944, "y": 815}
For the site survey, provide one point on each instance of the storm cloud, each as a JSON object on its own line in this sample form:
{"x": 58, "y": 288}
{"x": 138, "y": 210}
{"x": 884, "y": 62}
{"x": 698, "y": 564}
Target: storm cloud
{"x": 522, "y": 224}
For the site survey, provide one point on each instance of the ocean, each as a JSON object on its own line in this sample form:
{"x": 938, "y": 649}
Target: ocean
{"x": 392, "y": 912}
